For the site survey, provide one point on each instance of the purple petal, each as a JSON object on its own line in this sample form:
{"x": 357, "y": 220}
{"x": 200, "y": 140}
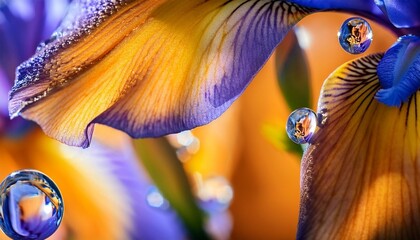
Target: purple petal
{"x": 55, "y": 10}
{"x": 399, "y": 71}
{"x": 402, "y": 13}
{"x": 148, "y": 222}
{"x": 112, "y": 154}
{"x": 365, "y": 8}
{"x": 4, "y": 92}
{"x": 361, "y": 7}
{"x": 354, "y": 5}
{"x": 23, "y": 24}
{"x": 10, "y": 53}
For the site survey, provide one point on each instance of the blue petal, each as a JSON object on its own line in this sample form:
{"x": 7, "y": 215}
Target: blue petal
{"x": 4, "y": 89}
{"x": 399, "y": 71}
{"x": 402, "y": 13}
{"x": 361, "y": 7}
{"x": 370, "y": 9}
{"x": 23, "y": 25}
{"x": 336, "y": 4}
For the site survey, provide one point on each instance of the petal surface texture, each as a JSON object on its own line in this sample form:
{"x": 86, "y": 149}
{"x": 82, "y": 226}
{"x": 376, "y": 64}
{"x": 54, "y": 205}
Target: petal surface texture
{"x": 402, "y": 13}
{"x": 356, "y": 5}
{"x": 399, "y": 71}
{"x": 148, "y": 68}
{"x": 361, "y": 173}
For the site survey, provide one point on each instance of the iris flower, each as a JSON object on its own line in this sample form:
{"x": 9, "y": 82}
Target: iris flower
{"x": 151, "y": 68}
{"x": 104, "y": 187}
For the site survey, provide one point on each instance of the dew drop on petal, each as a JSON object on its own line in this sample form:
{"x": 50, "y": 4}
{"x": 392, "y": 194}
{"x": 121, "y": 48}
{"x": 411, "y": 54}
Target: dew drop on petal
{"x": 155, "y": 199}
{"x": 31, "y": 206}
{"x": 301, "y": 125}
{"x": 355, "y": 35}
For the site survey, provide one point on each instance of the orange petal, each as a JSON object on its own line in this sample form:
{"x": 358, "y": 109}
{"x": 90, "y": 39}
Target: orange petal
{"x": 151, "y": 67}
{"x": 361, "y": 174}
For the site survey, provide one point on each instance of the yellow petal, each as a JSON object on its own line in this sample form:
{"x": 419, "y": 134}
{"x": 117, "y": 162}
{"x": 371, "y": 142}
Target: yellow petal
{"x": 361, "y": 174}
{"x": 152, "y": 67}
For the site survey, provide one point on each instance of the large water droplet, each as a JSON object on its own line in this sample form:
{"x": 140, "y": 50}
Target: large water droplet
{"x": 31, "y": 206}
{"x": 215, "y": 193}
{"x": 155, "y": 199}
{"x": 355, "y": 35}
{"x": 301, "y": 125}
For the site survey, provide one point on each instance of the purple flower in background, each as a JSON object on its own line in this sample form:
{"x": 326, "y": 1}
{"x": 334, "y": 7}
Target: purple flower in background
{"x": 23, "y": 25}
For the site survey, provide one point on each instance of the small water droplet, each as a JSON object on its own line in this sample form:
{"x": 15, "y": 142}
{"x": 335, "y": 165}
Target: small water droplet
{"x": 322, "y": 117}
{"x": 215, "y": 193}
{"x": 31, "y": 206}
{"x": 155, "y": 199}
{"x": 355, "y": 35}
{"x": 301, "y": 125}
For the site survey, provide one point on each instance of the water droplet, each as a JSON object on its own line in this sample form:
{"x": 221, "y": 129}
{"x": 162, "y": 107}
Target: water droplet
{"x": 42, "y": 44}
{"x": 215, "y": 193}
{"x": 31, "y": 206}
{"x": 155, "y": 199}
{"x": 355, "y": 35}
{"x": 301, "y": 125}
{"x": 322, "y": 117}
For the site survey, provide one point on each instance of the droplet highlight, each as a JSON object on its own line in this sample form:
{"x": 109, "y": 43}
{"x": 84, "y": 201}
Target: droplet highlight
{"x": 186, "y": 144}
{"x": 301, "y": 125}
{"x": 155, "y": 199}
{"x": 355, "y": 35}
{"x": 31, "y": 206}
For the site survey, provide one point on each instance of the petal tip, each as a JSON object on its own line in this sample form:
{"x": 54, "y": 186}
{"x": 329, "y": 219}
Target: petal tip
{"x": 390, "y": 97}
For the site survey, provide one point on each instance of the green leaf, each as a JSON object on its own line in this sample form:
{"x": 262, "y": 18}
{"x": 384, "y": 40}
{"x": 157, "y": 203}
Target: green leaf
{"x": 167, "y": 172}
{"x": 278, "y": 137}
{"x": 293, "y": 73}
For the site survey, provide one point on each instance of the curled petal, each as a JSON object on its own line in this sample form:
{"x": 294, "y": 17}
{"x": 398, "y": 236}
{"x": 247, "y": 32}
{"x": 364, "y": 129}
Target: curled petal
{"x": 399, "y": 71}
{"x": 148, "y": 68}
{"x": 402, "y": 13}
{"x": 366, "y": 8}
{"x": 361, "y": 173}
{"x": 355, "y": 5}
